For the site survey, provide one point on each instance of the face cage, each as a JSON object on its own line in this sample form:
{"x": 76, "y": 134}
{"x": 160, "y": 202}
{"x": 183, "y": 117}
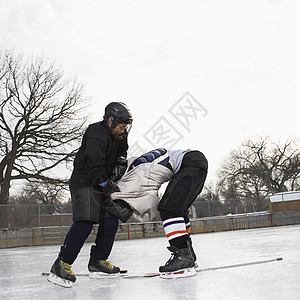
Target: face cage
{"x": 114, "y": 123}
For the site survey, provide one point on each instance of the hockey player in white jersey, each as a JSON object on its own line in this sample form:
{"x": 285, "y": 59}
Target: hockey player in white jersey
{"x": 186, "y": 172}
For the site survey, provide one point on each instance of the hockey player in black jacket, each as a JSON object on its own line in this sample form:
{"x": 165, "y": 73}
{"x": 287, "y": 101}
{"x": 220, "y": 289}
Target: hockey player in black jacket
{"x": 99, "y": 162}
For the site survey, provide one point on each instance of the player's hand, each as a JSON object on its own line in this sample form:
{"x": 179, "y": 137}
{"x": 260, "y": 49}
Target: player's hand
{"x": 119, "y": 169}
{"x": 108, "y": 187}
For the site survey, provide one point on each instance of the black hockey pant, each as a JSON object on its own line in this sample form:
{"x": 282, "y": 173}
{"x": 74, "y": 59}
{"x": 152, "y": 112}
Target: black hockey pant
{"x": 185, "y": 186}
{"x": 80, "y": 231}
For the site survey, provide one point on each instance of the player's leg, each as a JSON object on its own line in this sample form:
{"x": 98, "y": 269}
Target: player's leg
{"x": 181, "y": 261}
{"x": 181, "y": 192}
{"x": 61, "y": 272}
{"x": 188, "y": 230}
{"x": 98, "y": 263}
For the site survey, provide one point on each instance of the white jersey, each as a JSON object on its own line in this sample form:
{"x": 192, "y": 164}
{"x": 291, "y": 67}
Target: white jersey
{"x": 176, "y": 157}
{"x": 139, "y": 187}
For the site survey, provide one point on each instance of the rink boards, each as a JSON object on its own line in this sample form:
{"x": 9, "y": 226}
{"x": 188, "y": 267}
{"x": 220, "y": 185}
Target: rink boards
{"x": 40, "y": 236}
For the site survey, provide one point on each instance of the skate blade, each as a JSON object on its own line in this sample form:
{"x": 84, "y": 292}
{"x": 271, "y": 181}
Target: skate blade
{"x": 59, "y": 281}
{"x": 101, "y": 275}
{"x": 188, "y": 272}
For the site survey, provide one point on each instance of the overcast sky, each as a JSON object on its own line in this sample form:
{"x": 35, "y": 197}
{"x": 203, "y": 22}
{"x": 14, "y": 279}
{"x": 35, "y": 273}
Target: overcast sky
{"x": 198, "y": 74}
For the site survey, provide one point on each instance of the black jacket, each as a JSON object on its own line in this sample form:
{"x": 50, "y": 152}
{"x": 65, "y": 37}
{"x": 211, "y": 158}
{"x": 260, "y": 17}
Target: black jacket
{"x": 96, "y": 157}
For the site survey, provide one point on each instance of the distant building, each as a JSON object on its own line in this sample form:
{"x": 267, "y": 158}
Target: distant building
{"x": 284, "y": 201}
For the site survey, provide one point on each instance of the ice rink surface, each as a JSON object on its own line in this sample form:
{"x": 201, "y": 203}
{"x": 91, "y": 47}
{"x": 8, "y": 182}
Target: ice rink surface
{"x": 21, "y": 268}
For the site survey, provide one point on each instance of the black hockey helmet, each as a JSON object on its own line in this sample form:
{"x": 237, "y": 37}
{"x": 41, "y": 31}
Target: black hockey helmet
{"x": 115, "y": 114}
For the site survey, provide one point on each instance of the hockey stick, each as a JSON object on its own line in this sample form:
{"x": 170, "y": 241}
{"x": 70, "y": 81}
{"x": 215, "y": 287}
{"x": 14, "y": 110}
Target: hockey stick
{"x": 124, "y": 275}
{"x": 211, "y": 269}
{"x": 122, "y": 272}
{"x": 241, "y": 264}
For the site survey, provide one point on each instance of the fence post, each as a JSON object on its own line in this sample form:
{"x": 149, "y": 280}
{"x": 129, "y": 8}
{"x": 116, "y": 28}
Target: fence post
{"x": 128, "y": 232}
{"x": 39, "y": 213}
{"x": 271, "y": 219}
{"x": 208, "y": 206}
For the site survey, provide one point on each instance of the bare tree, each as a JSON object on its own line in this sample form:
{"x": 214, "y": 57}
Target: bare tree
{"x": 40, "y": 193}
{"x": 260, "y": 168}
{"x": 37, "y": 199}
{"x": 41, "y": 120}
{"x": 210, "y": 193}
{"x": 208, "y": 202}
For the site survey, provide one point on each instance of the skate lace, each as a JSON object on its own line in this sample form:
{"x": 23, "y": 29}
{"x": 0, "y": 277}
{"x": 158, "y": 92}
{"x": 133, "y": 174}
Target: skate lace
{"x": 107, "y": 264}
{"x": 67, "y": 268}
{"x": 172, "y": 259}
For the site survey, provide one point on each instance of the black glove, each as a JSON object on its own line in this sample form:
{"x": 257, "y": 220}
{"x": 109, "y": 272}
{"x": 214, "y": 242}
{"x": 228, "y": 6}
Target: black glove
{"x": 118, "y": 208}
{"x": 108, "y": 187}
{"x": 119, "y": 169}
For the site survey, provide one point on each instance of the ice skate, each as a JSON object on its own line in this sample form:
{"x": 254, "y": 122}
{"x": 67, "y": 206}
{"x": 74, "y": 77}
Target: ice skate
{"x": 98, "y": 268}
{"x": 181, "y": 264}
{"x": 61, "y": 274}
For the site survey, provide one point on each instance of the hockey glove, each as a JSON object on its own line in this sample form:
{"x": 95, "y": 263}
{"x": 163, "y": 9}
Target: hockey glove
{"x": 118, "y": 208}
{"x": 119, "y": 169}
{"x": 108, "y": 187}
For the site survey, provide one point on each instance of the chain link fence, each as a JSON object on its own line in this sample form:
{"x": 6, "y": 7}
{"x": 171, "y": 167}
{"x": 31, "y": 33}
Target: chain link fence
{"x": 43, "y": 215}
{"x": 202, "y": 209}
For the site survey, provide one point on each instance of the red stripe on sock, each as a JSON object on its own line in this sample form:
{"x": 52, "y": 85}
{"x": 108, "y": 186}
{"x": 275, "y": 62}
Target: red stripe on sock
{"x": 176, "y": 232}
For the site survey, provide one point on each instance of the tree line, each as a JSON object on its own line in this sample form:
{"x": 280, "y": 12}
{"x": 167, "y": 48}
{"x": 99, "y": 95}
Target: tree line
{"x": 259, "y": 168}
{"x": 42, "y": 118}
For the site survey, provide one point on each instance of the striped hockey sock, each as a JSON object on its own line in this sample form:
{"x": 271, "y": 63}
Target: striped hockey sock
{"x": 174, "y": 228}
{"x": 188, "y": 227}
{"x": 187, "y": 224}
